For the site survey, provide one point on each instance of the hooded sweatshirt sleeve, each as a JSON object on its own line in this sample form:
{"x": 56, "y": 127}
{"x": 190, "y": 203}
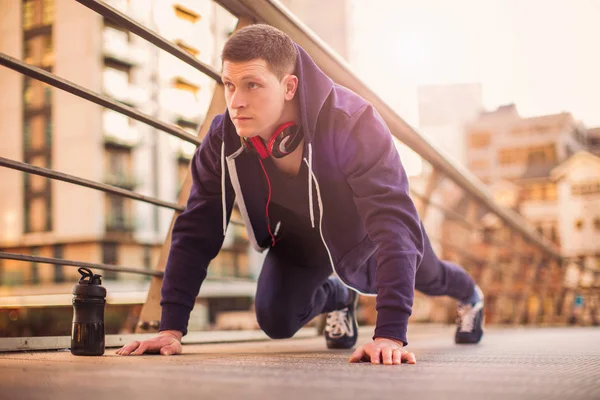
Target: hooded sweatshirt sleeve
{"x": 371, "y": 163}
{"x": 197, "y": 234}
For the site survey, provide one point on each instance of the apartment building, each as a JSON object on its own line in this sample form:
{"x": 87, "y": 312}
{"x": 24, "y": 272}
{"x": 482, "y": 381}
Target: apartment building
{"x": 50, "y": 128}
{"x": 501, "y": 145}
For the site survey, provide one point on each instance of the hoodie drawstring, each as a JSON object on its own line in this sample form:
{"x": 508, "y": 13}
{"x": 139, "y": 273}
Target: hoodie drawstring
{"x": 310, "y": 178}
{"x": 223, "y": 194}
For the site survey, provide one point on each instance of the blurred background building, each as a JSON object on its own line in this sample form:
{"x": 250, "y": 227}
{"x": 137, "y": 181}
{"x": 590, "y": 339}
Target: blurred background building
{"x": 60, "y": 131}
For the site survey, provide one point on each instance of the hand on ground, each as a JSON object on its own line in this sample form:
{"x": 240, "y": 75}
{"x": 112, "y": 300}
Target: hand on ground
{"x": 382, "y": 350}
{"x": 166, "y": 343}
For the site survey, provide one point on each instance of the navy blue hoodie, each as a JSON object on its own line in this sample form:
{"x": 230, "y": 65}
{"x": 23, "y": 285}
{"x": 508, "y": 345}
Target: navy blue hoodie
{"x": 359, "y": 203}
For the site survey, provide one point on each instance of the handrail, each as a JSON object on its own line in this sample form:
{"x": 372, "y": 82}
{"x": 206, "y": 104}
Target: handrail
{"x": 152, "y": 37}
{"x": 105, "y": 101}
{"x": 48, "y": 173}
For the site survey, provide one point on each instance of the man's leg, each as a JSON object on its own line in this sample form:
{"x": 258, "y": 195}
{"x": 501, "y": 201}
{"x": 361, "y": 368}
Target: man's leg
{"x": 435, "y": 277}
{"x": 292, "y": 290}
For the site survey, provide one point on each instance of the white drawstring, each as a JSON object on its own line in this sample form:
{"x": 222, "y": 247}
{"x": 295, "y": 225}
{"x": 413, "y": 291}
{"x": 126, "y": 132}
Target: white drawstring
{"x": 223, "y": 199}
{"x": 310, "y": 178}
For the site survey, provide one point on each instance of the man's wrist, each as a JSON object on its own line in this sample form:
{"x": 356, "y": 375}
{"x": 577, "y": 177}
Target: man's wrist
{"x": 398, "y": 342}
{"x": 176, "y": 334}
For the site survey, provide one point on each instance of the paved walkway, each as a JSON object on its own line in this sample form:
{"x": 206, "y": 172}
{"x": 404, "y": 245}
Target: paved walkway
{"x": 511, "y": 363}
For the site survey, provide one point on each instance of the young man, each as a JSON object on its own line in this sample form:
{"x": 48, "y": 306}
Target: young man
{"x": 319, "y": 183}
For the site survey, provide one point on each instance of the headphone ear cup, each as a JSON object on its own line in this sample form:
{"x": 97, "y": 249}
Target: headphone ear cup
{"x": 285, "y": 141}
{"x": 278, "y": 147}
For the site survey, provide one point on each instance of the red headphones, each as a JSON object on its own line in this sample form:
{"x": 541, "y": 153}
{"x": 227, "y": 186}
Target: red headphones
{"x": 284, "y": 141}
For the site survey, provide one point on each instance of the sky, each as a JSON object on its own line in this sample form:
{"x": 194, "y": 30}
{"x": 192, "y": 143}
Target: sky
{"x": 542, "y": 55}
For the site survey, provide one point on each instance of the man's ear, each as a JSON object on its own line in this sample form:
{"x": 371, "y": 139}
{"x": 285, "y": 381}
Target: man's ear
{"x": 291, "y": 85}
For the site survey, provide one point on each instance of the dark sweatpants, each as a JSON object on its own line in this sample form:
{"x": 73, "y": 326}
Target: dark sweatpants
{"x": 295, "y": 286}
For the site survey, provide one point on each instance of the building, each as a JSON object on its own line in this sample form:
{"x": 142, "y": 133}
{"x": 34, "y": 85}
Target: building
{"x": 578, "y": 194}
{"x": 46, "y": 127}
{"x": 501, "y": 145}
{"x": 578, "y": 188}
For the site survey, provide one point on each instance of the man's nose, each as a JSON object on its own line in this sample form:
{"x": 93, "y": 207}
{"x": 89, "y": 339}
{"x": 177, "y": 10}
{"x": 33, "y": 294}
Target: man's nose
{"x": 237, "y": 100}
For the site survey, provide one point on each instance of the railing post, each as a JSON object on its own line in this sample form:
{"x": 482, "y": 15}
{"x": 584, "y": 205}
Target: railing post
{"x": 531, "y": 277}
{"x": 433, "y": 181}
{"x": 487, "y": 270}
{"x": 508, "y": 293}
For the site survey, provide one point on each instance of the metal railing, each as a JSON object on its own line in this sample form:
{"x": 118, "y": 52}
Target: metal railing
{"x": 486, "y": 254}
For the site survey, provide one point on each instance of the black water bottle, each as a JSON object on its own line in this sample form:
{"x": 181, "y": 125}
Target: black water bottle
{"x": 87, "y": 335}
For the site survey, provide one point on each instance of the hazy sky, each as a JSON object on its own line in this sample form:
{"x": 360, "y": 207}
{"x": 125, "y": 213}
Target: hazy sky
{"x": 543, "y": 55}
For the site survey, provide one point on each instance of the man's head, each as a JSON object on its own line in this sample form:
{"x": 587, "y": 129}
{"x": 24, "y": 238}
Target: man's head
{"x": 258, "y": 67}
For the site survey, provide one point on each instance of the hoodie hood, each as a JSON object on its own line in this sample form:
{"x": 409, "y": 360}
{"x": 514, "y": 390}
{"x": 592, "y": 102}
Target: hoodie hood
{"x": 314, "y": 87}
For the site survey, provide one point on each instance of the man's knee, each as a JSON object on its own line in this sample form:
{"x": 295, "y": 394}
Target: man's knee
{"x": 276, "y": 323}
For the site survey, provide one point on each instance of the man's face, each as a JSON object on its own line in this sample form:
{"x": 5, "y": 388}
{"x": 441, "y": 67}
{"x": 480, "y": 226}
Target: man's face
{"x": 255, "y": 97}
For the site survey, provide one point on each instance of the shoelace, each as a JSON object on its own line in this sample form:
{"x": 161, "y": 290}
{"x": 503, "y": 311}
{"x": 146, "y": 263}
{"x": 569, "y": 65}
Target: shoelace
{"x": 339, "y": 324}
{"x": 466, "y": 316}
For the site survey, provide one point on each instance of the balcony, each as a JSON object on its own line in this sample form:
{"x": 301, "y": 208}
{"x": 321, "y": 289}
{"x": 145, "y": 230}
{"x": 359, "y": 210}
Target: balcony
{"x": 136, "y": 11}
{"x": 131, "y": 95}
{"x": 126, "y": 139}
{"x": 120, "y": 51}
{"x": 123, "y": 180}
{"x": 120, "y": 223}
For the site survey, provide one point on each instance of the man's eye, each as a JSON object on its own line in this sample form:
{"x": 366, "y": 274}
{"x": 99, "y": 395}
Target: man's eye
{"x": 252, "y": 85}
{"x": 228, "y": 85}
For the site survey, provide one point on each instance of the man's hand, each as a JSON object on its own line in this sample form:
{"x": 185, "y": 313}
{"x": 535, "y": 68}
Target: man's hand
{"x": 389, "y": 350}
{"x": 166, "y": 343}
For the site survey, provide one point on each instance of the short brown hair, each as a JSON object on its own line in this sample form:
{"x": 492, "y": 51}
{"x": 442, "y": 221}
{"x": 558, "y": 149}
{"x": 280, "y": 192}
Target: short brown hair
{"x": 262, "y": 41}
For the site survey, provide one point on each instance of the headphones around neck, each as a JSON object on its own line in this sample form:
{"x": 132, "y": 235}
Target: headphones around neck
{"x": 284, "y": 141}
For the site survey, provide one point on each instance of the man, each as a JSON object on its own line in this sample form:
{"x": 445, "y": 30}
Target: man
{"x": 319, "y": 183}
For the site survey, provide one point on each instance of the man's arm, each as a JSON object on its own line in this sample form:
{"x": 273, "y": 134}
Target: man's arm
{"x": 370, "y": 161}
{"x": 197, "y": 234}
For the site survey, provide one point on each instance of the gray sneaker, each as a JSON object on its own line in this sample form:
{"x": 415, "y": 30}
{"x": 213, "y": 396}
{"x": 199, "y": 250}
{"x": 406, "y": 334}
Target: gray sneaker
{"x": 341, "y": 328}
{"x": 470, "y": 320}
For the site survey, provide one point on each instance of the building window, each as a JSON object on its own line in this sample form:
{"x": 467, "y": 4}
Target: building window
{"x": 28, "y": 93}
{"x": 28, "y": 14}
{"x": 541, "y": 155}
{"x": 110, "y": 257}
{"x": 541, "y": 191}
{"x": 186, "y": 47}
{"x": 579, "y": 224}
{"x": 479, "y": 140}
{"x": 47, "y": 95}
{"x": 47, "y": 12}
{"x": 551, "y": 191}
{"x": 27, "y": 134}
{"x": 585, "y": 188}
{"x": 510, "y": 156}
{"x": 47, "y": 51}
{"x": 59, "y": 274}
{"x": 186, "y": 14}
{"x": 28, "y": 52}
{"x": 48, "y": 132}
{"x": 35, "y": 273}
{"x": 478, "y": 164}
{"x": 182, "y": 84}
